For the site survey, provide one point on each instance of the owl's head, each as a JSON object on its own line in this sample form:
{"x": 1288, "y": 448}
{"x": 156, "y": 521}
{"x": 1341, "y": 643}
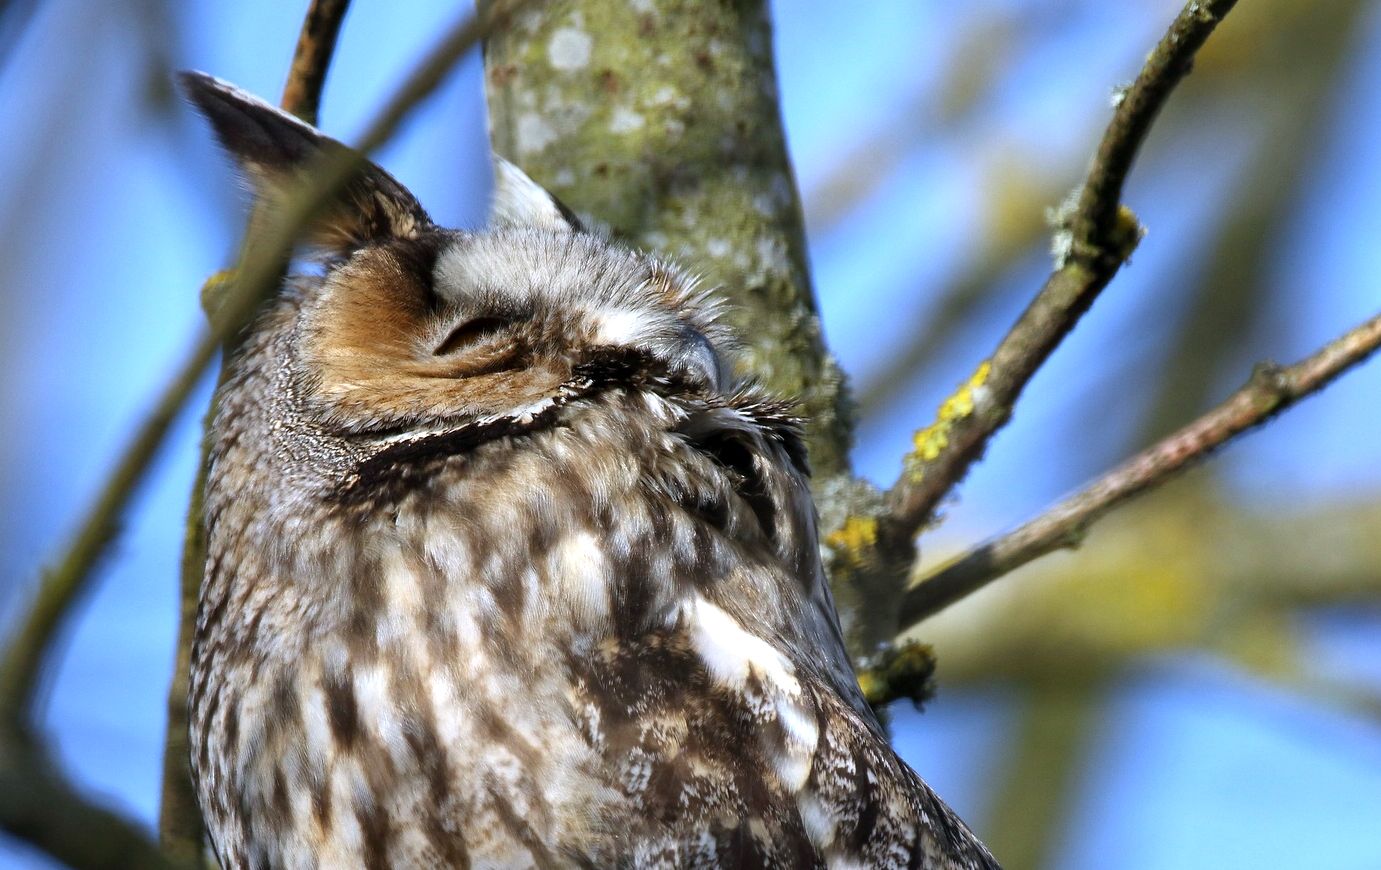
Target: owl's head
{"x": 413, "y": 328}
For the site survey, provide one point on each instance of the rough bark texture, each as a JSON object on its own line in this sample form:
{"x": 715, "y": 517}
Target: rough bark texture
{"x": 657, "y": 120}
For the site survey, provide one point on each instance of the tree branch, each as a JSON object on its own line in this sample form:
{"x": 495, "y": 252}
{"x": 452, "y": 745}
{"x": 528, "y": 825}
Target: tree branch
{"x": 1094, "y": 237}
{"x": 261, "y": 262}
{"x": 1005, "y": 242}
{"x": 181, "y": 831}
{"x": 63, "y": 585}
{"x": 316, "y": 43}
{"x": 39, "y": 807}
{"x": 1270, "y": 390}
{"x": 661, "y": 124}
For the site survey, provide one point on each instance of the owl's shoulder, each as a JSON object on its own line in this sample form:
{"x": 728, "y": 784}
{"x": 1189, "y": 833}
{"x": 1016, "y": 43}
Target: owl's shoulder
{"x": 735, "y": 753}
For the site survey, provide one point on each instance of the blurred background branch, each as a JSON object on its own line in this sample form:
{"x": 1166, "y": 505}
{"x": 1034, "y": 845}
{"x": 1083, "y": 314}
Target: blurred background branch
{"x": 39, "y": 806}
{"x": 261, "y": 263}
{"x": 316, "y": 43}
{"x": 264, "y": 255}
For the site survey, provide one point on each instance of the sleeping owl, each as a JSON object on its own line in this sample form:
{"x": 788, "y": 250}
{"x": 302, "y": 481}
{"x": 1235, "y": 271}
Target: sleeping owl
{"x": 506, "y": 570}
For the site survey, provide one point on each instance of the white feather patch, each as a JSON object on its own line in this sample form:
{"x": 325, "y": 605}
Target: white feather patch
{"x": 620, "y": 327}
{"x": 731, "y": 654}
{"x": 580, "y": 567}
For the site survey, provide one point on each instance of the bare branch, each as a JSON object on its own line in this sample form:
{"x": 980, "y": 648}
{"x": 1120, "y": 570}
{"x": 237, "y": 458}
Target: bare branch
{"x": 45, "y": 817}
{"x": 1270, "y": 390}
{"x": 261, "y": 261}
{"x": 39, "y": 807}
{"x": 64, "y": 584}
{"x": 1004, "y": 243}
{"x": 1095, "y": 237}
{"x": 316, "y": 43}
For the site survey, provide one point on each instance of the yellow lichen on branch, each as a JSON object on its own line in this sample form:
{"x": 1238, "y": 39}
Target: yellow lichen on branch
{"x": 930, "y": 441}
{"x": 1127, "y": 232}
{"x": 856, "y": 537}
{"x": 1270, "y": 390}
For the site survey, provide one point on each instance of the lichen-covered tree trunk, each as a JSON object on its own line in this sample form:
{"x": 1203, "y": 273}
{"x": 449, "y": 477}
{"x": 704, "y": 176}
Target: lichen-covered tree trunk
{"x": 658, "y": 121}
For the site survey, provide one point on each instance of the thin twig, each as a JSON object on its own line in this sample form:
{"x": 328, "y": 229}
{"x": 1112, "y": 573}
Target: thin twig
{"x": 40, "y": 807}
{"x": 954, "y": 304}
{"x": 261, "y": 261}
{"x": 1270, "y": 390}
{"x": 1095, "y": 237}
{"x": 316, "y": 44}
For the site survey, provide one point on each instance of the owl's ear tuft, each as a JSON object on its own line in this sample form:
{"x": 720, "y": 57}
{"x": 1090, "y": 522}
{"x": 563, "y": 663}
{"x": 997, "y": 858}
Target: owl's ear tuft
{"x": 276, "y": 150}
{"x": 521, "y": 202}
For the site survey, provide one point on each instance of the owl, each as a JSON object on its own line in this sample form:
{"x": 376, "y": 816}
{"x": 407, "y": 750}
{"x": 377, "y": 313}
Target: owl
{"x": 505, "y": 569}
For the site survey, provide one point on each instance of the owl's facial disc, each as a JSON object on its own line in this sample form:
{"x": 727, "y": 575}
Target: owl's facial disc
{"x": 583, "y": 294}
{"x": 459, "y": 331}
{"x": 415, "y": 328}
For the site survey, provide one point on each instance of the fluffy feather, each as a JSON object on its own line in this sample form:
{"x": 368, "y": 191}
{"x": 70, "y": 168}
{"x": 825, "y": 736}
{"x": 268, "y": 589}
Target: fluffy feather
{"x": 502, "y": 571}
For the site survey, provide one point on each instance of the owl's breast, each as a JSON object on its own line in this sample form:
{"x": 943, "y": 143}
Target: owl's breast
{"x": 577, "y": 645}
{"x": 420, "y": 724}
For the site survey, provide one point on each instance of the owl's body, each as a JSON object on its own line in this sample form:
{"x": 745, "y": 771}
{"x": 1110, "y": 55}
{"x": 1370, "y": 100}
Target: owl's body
{"x": 500, "y": 574}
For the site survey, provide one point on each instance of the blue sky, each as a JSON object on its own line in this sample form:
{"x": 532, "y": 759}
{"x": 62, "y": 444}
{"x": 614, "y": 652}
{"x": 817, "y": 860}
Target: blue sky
{"x": 113, "y": 212}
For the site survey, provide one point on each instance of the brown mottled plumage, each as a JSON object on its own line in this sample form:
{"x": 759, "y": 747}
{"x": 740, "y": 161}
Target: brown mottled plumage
{"x": 502, "y": 573}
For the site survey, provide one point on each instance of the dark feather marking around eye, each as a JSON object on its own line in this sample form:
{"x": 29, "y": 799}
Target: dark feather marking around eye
{"x": 631, "y": 367}
{"x": 400, "y": 467}
{"x": 784, "y": 428}
{"x": 733, "y": 454}
{"x": 471, "y": 333}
